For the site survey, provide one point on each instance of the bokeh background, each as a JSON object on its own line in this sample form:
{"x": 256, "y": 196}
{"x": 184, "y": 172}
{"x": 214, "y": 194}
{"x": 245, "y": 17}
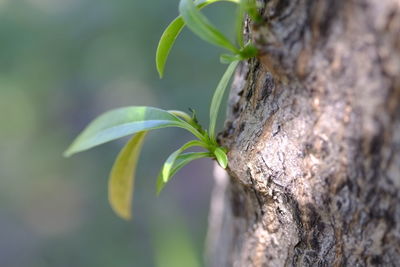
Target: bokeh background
{"x": 62, "y": 63}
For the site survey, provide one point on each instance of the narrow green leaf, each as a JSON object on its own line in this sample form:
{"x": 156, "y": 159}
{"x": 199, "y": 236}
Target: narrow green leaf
{"x": 170, "y": 34}
{"x": 218, "y": 94}
{"x": 122, "y": 122}
{"x": 239, "y": 23}
{"x": 221, "y": 157}
{"x": 228, "y": 58}
{"x": 183, "y": 115}
{"x": 200, "y": 25}
{"x": 181, "y": 161}
{"x": 248, "y": 51}
{"x": 169, "y": 163}
{"x": 122, "y": 177}
{"x": 250, "y": 7}
{"x": 166, "y": 42}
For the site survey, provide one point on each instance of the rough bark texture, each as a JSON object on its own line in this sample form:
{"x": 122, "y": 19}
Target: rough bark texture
{"x": 313, "y": 130}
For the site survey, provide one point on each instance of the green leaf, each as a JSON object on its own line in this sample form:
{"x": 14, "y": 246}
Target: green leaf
{"x": 170, "y": 34}
{"x": 169, "y": 163}
{"x": 218, "y": 94}
{"x": 250, "y": 7}
{"x": 249, "y": 51}
{"x": 181, "y": 161}
{"x": 203, "y": 3}
{"x": 122, "y": 177}
{"x": 200, "y": 25}
{"x": 239, "y": 23}
{"x": 228, "y": 58}
{"x": 183, "y": 115}
{"x": 221, "y": 157}
{"x": 122, "y": 122}
{"x": 166, "y": 42}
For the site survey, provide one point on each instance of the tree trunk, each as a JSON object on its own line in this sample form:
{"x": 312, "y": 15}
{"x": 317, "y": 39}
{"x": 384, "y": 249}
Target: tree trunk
{"x": 313, "y": 132}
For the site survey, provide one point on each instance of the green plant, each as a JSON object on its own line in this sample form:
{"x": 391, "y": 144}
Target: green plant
{"x": 138, "y": 120}
{"x": 191, "y": 16}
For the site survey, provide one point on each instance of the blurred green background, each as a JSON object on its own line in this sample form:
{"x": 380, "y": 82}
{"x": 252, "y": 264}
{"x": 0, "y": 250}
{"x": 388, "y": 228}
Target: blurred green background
{"x": 62, "y": 63}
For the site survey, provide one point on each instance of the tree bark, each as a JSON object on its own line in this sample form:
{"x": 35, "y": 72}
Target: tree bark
{"x": 313, "y": 131}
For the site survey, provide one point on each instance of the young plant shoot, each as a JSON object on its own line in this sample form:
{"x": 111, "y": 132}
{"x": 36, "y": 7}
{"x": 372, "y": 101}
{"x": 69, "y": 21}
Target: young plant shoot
{"x": 191, "y": 16}
{"x": 139, "y": 120}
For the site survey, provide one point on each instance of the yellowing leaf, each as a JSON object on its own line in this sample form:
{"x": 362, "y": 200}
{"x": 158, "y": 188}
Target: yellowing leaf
{"x": 121, "y": 181}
